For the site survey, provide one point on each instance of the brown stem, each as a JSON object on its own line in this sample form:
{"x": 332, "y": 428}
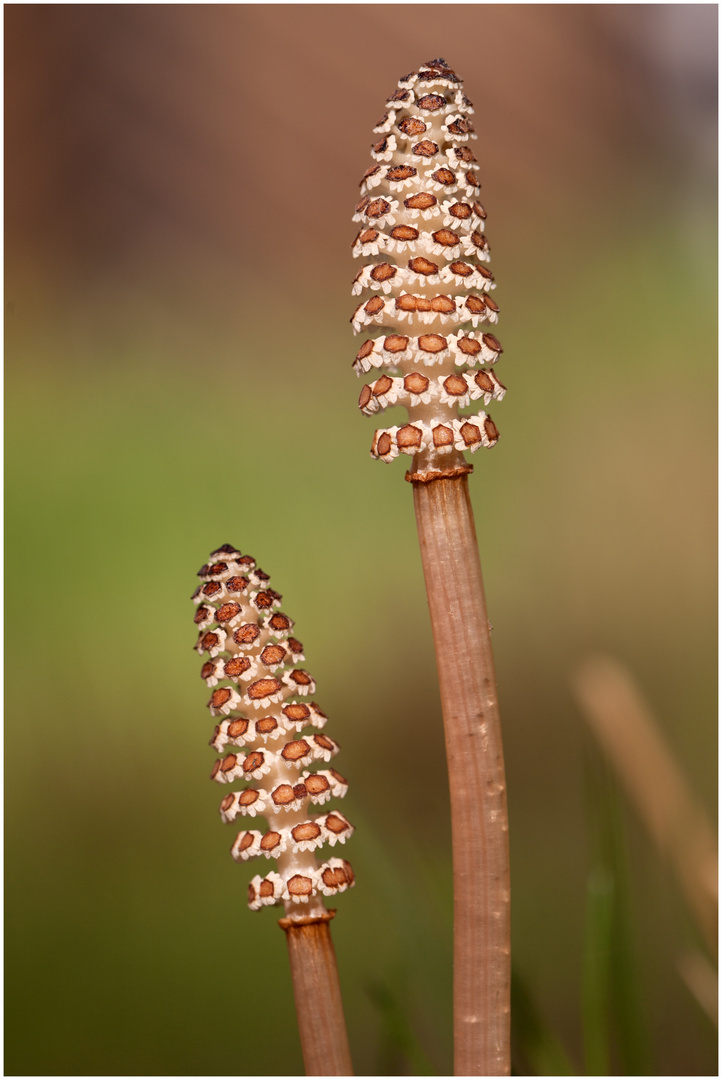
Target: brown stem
{"x": 476, "y": 774}
{"x": 316, "y": 990}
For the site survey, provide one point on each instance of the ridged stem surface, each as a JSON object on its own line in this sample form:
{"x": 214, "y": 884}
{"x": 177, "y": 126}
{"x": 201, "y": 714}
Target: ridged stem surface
{"x": 317, "y": 993}
{"x": 455, "y": 590}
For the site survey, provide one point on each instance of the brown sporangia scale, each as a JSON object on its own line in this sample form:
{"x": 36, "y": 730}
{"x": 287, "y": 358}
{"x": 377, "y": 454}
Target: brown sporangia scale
{"x": 268, "y": 731}
{"x": 424, "y": 304}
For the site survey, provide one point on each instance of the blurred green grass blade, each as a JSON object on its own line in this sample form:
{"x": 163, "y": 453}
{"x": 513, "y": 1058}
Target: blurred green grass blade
{"x": 596, "y": 971}
{"x": 535, "y": 1048}
{"x": 400, "y": 1044}
{"x": 612, "y": 1012}
{"x": 625, "y": 990}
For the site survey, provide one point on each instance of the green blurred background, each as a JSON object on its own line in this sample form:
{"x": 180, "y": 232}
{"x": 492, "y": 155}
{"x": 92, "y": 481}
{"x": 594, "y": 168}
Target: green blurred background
{"x": 180, "y": 182}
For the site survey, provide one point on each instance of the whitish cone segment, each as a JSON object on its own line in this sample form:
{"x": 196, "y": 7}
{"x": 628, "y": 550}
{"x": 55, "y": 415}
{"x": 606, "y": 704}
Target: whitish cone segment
{"x": 426, "y": 305}
{"x": 261, "y": 698}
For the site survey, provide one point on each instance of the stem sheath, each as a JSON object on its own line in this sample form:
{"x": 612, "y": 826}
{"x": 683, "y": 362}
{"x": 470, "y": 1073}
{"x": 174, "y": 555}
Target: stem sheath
{"x": 317, "y": 994}
{"x": 467, "y": 682}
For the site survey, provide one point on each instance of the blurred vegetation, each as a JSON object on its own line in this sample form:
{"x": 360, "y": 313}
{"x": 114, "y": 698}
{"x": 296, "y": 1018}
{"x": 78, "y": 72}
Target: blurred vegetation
{"x": 127, "y": 918}
{"x": 139, "y": 437}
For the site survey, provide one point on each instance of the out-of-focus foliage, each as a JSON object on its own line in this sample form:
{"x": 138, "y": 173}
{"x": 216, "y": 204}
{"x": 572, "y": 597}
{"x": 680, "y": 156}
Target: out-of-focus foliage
{"x": 178, "y": 376}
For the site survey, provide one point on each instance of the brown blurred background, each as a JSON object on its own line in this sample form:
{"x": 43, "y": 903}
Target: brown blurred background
{"x": 179, "y": 187}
